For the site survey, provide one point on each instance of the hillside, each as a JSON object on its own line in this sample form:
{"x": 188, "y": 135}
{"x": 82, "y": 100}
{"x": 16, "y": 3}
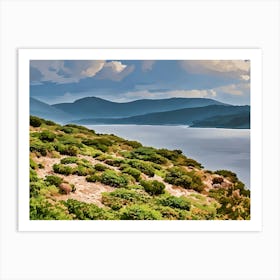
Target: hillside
{"x": 78, "y": 174}
{"x": 186, "y": 116}
{"x": 44, "y": 110}
{"x": 94, "y": 107}
{"x": 239, "y": 120}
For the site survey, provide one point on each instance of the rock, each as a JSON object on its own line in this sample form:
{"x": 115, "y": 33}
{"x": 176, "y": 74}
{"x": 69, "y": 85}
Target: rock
{"x": 65, "y": 188}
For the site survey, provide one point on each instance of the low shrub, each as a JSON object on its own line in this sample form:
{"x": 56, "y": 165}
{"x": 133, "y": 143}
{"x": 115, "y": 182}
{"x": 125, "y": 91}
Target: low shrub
{"x": 139, "y": 212}
{"x": 47, "y": 136}
{"x": 68, "y": 130}
{"x": 122, "y": 197}
{"x": 114, "y": 162}
{"x": 69, "y": 160}
{"x": 135, "y": 173}
{"x": 148, "y": 154}
{"x": 87, "y": 211}
{"x": 100, "y": 167}
{"x": 111, "y": 178}
{"x": 35, "y": 121}
{"x": 188, "y": 180}
{"x": 153, "y": 187}
{"x": 62, "y": 169}
{"x": 175, "y": 202}
{"x": 93, "y": 178}
{"x": 143, "y": 167}
{"x": 53, "y": 180}
{"x": 81, "y": 170}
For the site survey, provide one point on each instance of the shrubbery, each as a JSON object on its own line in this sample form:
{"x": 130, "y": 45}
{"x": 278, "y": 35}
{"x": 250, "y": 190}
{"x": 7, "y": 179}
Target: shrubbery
{"x": 35, "y": 121}
{"x": 122, "y": 197}
{"x": 140, "y": 212}
{"x": 93, "y": 178}
{"x": 143, "y": 167}
{"x": 100, "y": 167}
{"x": 111, "y": 178}
{"x": 54, "y": 180}
{"x": 87, "y": 211}
{"x": 62, "y": 169}
{"x": 147, "y": 154}
{"x": 179, "y": 177}
{"x": 153, "y": 187}
{"x": 135, "y": 173}
{"x": 175, "y": 202}
{"x": 47, "y": 136}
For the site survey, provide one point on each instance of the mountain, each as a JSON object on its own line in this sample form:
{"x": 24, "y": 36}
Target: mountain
{"x": 94, "y": 107}
{"x": 240, "y": 120}
{"x": 44, "y": 110}
{"x": 186, "y": 116}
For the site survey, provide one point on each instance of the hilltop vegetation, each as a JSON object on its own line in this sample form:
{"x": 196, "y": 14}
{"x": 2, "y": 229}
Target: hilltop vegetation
{"x": 78, "y": 174}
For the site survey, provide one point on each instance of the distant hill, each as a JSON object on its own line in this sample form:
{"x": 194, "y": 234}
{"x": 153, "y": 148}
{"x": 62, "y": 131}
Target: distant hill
{"x": 188, "y": 116}
{"x": 240, "y": 120}
{"x": 44, "y": 110}
{"x": 94, "y": 107}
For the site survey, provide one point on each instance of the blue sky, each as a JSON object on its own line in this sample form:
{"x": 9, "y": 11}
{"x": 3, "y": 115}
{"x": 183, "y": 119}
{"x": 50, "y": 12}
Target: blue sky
{"x": 56, "y": 81}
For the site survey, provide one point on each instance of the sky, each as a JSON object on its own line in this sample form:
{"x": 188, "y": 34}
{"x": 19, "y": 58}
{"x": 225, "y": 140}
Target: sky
{"x": 57, "y": 81}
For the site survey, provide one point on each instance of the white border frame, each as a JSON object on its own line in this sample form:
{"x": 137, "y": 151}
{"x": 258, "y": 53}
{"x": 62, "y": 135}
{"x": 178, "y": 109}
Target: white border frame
{"x": 254, "y": 55}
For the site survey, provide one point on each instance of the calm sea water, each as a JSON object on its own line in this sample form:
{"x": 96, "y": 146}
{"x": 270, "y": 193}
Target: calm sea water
{"x": 214, "y": 148}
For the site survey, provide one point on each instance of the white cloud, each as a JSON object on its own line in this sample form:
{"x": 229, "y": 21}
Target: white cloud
{"x": 147, "y": 65}
{"x": 115, "y": 71}
{"x": 142, "y": 94}
{"x": 234, "y": 68}
{"x": 61, "y": 72}
{"x": 234, "y": 89}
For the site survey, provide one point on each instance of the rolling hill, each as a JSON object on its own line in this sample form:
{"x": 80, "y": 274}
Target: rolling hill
{"x": 94, "y": 107}
{"x": 186, "y": 116}
{"x": 44, "y": 110}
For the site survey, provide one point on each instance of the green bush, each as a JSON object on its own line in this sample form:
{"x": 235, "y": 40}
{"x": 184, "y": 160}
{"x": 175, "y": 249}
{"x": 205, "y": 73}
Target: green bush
{"x": 175, "y": 202}
{"x": 188, "y": 180}
{"x": 143, "y": 167}
{"x": 101, "y": 144}
{"x": 54, "y": 180}
{"x": 153, "y": 187}
{"x": 100, "y": 167}
{"x": 122, "y": 197}
{"x": 114, "y": 162}
{"x": 135, "y": 173}
{"x": 47, "y": 136}
{"x": 66, "y": 149}
{"x": 111, "y": 178}
{"x": 33, "y": 164}
{"x": 148, "y": 154}
{"x": 33, "y": 177}
{"x": 93, "y": 178}
{"x": 62, "y": 169}
{"x": 67, "y": 130}
{"x": 81, "y": 170}
{"x": 35, "y": 121}
{"x": 69, "y": 160}
{"x": 87, "y": 211}
{"x": 42, "y": 209}
{"x": 139, "y": 212}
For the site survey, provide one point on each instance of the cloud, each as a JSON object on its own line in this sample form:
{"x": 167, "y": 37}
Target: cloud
{"x": 146, "y": 94}
{"x": 115, "y": 71}
{"x": 147, "y": 65}
{"x": 239, "y": 69}
{"x": 72, "y": 71}
{"x": 234, "y": 89}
